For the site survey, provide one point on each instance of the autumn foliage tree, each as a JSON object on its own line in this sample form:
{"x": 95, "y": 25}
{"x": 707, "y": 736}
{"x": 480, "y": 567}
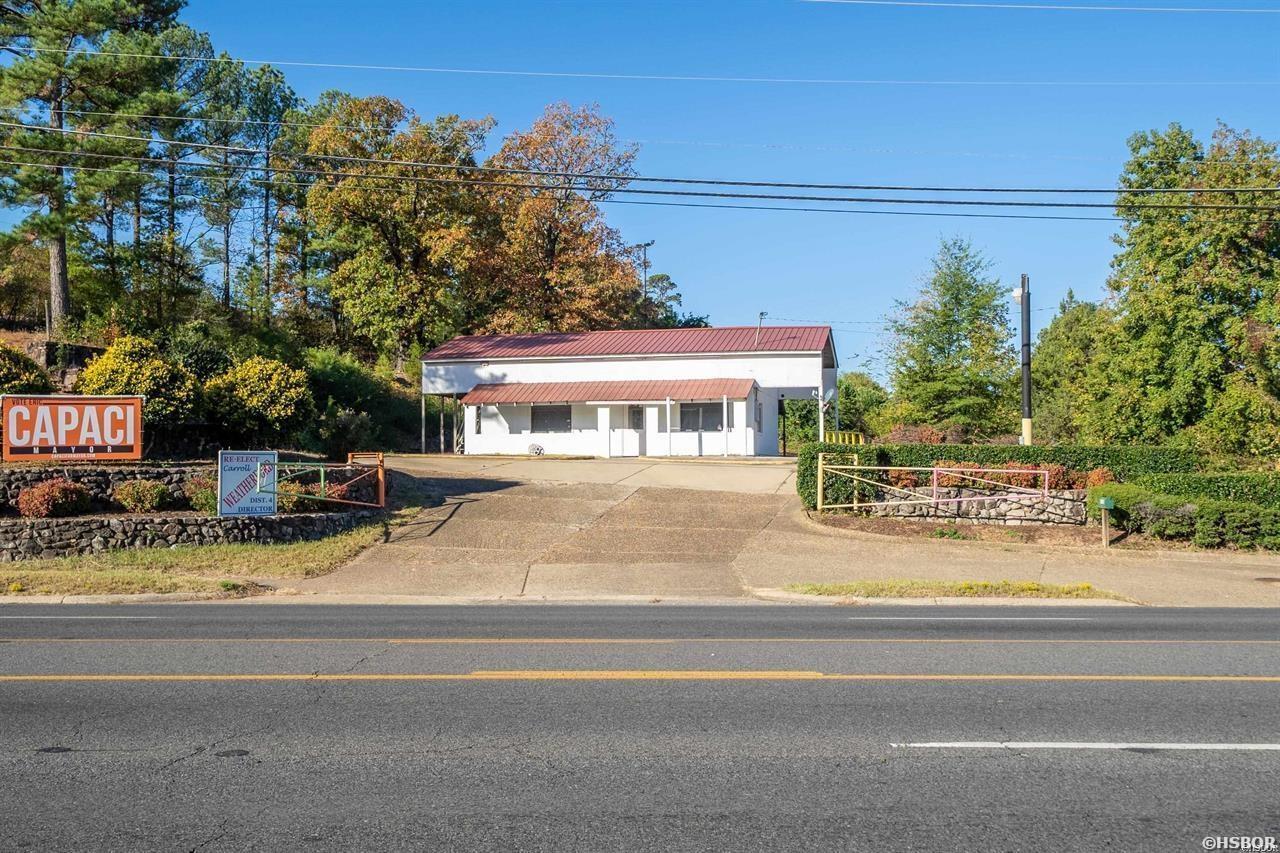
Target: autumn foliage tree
{"x": 405, "y": 236}
{"x": 556, "y": 265}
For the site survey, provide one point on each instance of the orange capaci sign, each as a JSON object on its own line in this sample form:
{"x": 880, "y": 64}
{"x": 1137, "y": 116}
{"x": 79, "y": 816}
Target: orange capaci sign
{"x": 61, "y": 428}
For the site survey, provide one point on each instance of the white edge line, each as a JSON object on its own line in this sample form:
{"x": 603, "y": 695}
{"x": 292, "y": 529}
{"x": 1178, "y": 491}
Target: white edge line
{"x": 86, "y": 617}
{"x": 971, "y": 618}
{"x": 1068, "y": 744}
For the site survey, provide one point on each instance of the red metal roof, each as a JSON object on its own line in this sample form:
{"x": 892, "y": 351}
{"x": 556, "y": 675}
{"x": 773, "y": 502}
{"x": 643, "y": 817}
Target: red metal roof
{"x": 627, "y": 391}
{"x": 727, "y": 339}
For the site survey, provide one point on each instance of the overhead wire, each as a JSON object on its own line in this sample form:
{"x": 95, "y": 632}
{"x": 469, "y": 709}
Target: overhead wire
{"x": 362, "y": 178}
{"x": 616, "y": 177}
{"x": 500, "y": 72}
{"x": 690, "y": 142}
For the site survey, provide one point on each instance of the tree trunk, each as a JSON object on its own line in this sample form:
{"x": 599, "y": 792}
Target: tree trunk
{"x": 304, "y": 292}
{"x": 109, "y": 213}
{"x": 226, "y": 262}
{"x": 266, "y": 234}
{"x": 171, "y": 276}
{"x": 59, "y": 281}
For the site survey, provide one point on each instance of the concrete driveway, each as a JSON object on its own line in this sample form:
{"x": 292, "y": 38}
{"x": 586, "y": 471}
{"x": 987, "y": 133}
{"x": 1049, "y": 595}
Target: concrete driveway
{"x": 590, "y": 529}
{"x": 729, "y": 474}
{"x": 498, "y": 538}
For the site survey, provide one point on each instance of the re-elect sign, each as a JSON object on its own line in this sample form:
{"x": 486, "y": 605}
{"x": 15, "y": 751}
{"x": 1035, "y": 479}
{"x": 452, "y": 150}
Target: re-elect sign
{"x": 62, "y": 427}
{"x": 246, "y": 482}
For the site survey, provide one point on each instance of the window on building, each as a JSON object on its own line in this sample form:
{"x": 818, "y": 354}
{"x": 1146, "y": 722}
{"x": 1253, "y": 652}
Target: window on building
{"x": 552, "y": 418}
{"x": 479, "y": 418}
{"x": 703, "y": 417}
{"x": 635, "y": 417}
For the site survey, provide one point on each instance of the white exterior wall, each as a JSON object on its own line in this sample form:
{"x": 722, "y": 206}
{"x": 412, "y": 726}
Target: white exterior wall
{"x": 604, "y": 430}
{"x": 800, "y": 372}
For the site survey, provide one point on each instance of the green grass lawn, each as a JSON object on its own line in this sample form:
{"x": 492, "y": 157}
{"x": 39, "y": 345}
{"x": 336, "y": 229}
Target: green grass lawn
{"x": 945, "y": 589}
{"x": 201, "y": 568}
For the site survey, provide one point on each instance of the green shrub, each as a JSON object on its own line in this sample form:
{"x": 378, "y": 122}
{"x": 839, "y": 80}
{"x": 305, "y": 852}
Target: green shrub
{"x": 261, "y": 400}
{"x": 141, "y": 495}
{"x": 1123, "y": 461}
{"x": 134, "y": 366}
{"x": 202, "y": 493}
{"x": 340, "y": 379}
{"x": 288, "y": 497}
{"x": 21, "y": 375}
{"x": 1263, "y": 489}
{"x": 1205, "y": 522}
{"x": 341, "y": 431}
{"x": 193, "y": 346}
{"x": 54, "y": 498}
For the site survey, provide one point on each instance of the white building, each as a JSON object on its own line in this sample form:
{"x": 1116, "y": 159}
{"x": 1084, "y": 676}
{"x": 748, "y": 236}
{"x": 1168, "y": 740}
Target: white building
{"x": 659, "y": 392}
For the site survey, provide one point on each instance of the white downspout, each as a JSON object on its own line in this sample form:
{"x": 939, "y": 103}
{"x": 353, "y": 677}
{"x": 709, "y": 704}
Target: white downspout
{"x": 724, "y": 419}
{"x": 668, "y": 426}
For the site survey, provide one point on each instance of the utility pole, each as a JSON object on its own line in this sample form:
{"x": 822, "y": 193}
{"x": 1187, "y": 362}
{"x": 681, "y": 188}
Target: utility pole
{"x": 1023, "y": 297}
{"x": 644, "y": 268}
{"x": 759, "y": 324}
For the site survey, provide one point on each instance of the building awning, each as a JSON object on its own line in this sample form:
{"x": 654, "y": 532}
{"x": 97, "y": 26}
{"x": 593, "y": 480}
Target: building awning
{"x": 626, "y": 391}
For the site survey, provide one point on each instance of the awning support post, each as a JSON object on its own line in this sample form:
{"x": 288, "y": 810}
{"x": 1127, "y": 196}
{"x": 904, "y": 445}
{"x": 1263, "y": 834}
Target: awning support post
{"x": 725, "y": 420}
{"x": 669, "y": 426}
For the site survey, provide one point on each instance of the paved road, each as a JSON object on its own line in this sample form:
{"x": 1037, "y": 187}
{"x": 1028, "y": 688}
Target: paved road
{"x": 252, "y": 727}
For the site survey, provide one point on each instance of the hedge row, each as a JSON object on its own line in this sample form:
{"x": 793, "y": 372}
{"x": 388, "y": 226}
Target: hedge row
{"x": 1262, "y": 489}
{"x": 1124, "y": 462}
{"x": 1205, "y": 522}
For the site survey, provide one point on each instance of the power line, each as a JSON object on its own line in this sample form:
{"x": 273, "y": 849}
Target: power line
{"x": 696, "y": 193}
{"x": 496, "y": 72}
{"x": 787, "y": 146}
{"x": 1050, "y": 6}
{"x": 534, "y": 189}
{"x": 644, "y": 178}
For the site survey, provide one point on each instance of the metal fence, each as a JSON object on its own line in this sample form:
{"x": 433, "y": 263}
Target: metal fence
{"x": 876, "y": 476}
{"x": 375, "y": 474}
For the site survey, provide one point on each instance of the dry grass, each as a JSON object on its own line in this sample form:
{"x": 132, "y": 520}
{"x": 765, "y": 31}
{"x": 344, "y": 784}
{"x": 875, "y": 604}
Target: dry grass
{"x": 207, "y": 568}
{"x": 949, "y": 589}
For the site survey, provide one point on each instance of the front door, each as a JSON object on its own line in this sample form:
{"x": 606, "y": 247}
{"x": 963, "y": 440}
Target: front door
{"x": 627, "y": 441}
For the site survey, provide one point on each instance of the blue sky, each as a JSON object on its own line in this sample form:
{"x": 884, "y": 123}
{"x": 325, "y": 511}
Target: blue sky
{"x": 848, "y": 268}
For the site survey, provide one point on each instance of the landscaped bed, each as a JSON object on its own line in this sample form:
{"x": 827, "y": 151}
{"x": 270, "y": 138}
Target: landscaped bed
{"x": 1160, "y": 498}
{"x": 227, "y": 570}
{"x": 219, "y": 570}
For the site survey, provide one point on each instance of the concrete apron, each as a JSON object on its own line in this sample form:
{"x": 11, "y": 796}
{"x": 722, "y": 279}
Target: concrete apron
{"x": 494, "y": 538}
{"x": 774, "y": 476}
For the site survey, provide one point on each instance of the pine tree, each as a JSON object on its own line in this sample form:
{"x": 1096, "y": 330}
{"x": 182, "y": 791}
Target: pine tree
{"x": 952, "y": 362}
{"x": 50, "y": 82}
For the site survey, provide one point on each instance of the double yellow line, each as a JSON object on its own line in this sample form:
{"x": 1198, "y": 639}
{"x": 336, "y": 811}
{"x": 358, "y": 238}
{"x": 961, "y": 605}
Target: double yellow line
{"x": 627, "y": 675}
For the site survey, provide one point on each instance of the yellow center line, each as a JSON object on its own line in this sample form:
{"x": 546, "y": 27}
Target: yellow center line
{"x": 607, "y": 641}
{"x": 627, "y": 675}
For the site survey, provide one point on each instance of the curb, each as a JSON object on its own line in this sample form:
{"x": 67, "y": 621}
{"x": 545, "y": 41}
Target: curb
{"x": 783, "y": 596}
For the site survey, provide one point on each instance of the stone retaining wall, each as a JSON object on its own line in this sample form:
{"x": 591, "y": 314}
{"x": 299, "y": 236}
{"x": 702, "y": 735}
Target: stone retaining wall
{"x": 102, "y": 479}
{"x": 42, "y": 538}
{"x": 99, "y": 479}
{"x": 1059, "y": 507}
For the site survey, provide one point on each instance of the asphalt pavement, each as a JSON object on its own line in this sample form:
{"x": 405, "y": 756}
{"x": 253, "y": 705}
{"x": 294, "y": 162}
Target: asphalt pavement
{"x": 240, "y": 726}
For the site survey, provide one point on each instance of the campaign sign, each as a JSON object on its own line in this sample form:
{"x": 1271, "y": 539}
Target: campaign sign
{"x": 63, "y": 428}
{"x": 240, "y": 492}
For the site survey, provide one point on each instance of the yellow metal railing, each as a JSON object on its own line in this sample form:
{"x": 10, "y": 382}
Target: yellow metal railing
{"x": 848, "y": 437}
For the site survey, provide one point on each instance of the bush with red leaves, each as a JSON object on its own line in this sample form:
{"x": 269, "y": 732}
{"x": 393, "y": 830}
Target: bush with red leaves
{"x": 913, "y": 434}
{"x": 53, "y": 499}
